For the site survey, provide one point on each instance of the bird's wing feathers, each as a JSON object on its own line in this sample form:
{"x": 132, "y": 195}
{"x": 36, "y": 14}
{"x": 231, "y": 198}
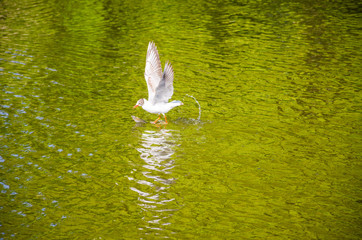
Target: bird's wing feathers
{"x": 153, "y": 70}
{"x": 164, "y": 90}
{"x": 160, "y": 85}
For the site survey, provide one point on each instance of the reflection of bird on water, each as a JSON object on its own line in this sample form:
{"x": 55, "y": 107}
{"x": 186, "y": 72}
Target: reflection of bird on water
{"x": 152, "y": 179}
{"x": 160, "y": 85}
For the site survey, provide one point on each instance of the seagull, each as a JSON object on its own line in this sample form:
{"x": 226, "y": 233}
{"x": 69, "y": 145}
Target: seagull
{"x": 159, "y": 84}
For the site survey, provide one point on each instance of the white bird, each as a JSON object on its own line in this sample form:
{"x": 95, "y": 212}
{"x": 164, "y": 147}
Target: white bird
{"x": 160, "y": 85}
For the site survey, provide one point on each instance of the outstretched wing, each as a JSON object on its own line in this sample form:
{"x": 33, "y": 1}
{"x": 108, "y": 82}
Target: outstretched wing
{"x": 153, "y": 70}
{"x": 164, "y": 90}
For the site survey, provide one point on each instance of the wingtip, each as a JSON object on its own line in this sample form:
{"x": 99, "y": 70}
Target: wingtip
{"x": 152, "y": 48}
{"x": 151, "y": 44}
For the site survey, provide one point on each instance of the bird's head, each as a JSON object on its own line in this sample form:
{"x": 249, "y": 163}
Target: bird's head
{"x": 139, "y": 103}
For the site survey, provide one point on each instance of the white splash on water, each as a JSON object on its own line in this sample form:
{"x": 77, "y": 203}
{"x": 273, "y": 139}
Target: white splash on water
{"x": 198, "y": 119}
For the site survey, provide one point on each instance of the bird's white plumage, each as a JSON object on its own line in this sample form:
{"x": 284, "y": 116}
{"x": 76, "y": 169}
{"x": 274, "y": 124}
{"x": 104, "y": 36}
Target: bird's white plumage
{"x": 160, "y": 85}
{"x": 164, "y": 91}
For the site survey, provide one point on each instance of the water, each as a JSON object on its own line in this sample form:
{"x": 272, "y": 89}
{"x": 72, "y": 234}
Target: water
{"x": 199, "y": 117}
{"x": 275, "y": 153}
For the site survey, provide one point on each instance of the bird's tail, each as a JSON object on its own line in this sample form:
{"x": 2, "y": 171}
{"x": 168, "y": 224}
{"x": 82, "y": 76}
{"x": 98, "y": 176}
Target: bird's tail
{"x": 177, "y": 103}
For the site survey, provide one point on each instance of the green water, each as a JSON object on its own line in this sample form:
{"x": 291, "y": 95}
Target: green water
{"x": 276, "y": 153}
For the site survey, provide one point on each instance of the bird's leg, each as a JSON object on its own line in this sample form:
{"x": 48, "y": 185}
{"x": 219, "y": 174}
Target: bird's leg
{"x": 165, "y": 119}
{"x": 159, "y": 116}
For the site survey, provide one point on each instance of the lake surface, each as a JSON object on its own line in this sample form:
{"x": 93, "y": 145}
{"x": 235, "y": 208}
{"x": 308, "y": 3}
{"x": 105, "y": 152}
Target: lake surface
{"x": 273, "y": 151}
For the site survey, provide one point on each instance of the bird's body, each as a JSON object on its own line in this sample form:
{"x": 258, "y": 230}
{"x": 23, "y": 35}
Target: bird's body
{"x": 159, "y": 84}
{"x": 160, "y": 107}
